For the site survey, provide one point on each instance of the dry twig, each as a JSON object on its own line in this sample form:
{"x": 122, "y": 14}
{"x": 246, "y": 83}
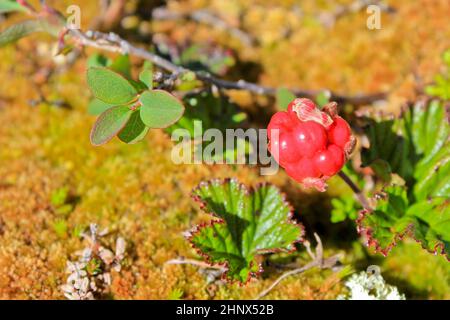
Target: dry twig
{"x": 318, "y": 261}
{"x": 197, "y": 263}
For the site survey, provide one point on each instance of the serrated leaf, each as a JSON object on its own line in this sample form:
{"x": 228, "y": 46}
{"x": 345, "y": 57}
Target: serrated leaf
{"x": 416, "y": 146}
{"x": 20, "y": 30}
{"x": 109, "y": 86}
{"x": 385, "y": 225}
{"x": 160, "y": 109}
{"x": 11, "y": 6}
{"x": 97, "y": 107}
{"x": 109, "y": 123}
{"x": 393, "y": 218}
{"x": 252, "y": 222}
{"x": 284, "y": 97}
{"x": 134, "y": 131}
{"x": 432, "y": 225}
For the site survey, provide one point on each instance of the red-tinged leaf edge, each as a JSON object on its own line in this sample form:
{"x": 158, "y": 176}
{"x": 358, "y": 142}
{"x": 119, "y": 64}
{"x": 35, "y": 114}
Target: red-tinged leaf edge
{"x": 112, "y": 134}
{"x": 247, "y": 191}
{"x": 371, "y": 242}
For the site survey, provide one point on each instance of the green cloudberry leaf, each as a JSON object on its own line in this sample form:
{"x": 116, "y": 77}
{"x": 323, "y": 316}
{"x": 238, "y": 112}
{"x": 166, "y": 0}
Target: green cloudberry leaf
{"x": 160, "y": 109}
{"x": 109, "y": 123}
{"x": 109, "y": 86}
{"x": 134, "y": 131}
{"x": 393, "y": 218}
{"x": 250, "y": 223}
{"x": 432, "y": 225}
{"x": 284, "y": 97}
{"x": 416, "y": 146}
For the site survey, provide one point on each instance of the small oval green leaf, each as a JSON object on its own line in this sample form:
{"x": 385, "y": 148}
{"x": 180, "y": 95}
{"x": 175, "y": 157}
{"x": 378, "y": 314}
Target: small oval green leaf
{"x": 97, "y": 107}
{"x": 146, "y": 76}
{"x": 134, "y": 131}
{"x": 109, "y": 86}
{"x": 11, "y": 6}
{"x": 20, "y": 30}
{"x": 122, "y": 65}
{"x": 160, "y": 109}
{"x": 109, "y": 123}
{"x": 98, "y": 60}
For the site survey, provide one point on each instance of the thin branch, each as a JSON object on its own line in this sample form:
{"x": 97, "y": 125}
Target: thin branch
{"x": 358, "y": 192}
{"x": 311, "y": 254}
{"x": 204, "y": 17}
{"x": 285, "y": 275}
{"x": 318, "y": 261}
{"x": 113, "y": 43}
{"x": 197, "y": 263}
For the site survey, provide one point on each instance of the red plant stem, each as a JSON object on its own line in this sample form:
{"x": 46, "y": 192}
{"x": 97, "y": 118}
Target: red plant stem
{"x": 359, "y": 194}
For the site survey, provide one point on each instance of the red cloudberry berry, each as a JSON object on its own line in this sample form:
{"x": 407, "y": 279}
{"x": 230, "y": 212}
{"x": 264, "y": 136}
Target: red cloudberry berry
{"x": 310, "y": 137}
{"x": 339, "y": 132}
{"x": 312, "y": 145}
{"x": 303, "y": 169}
{"x": 330, "y": 161}
{"x": 286, "y": 147}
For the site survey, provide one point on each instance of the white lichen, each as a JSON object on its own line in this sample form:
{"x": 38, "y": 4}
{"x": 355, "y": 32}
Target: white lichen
{"x": 366, "y": 286}
{"x": 90, "y": 276}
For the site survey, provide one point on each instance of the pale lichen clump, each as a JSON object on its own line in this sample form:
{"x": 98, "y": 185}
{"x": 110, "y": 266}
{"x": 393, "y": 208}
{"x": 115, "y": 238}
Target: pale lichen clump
{"x": 365, "y": 286}
{"x": 90, "y": 276}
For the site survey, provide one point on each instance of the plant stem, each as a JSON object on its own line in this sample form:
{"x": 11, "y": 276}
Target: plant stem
{"x": 359, "y": 194}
